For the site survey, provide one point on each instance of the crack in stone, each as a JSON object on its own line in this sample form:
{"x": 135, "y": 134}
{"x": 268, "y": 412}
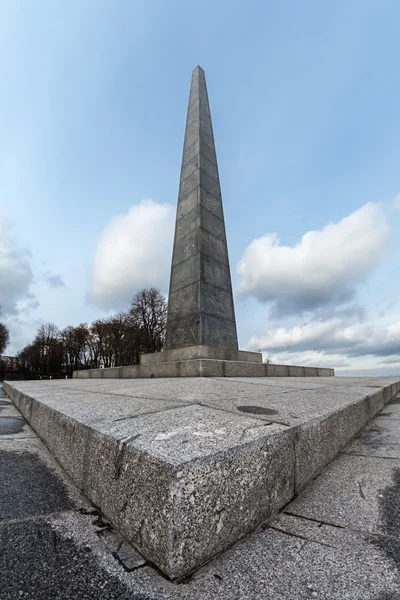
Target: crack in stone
{"x": 314, "y": 520}
{"x": 122, "y": 446}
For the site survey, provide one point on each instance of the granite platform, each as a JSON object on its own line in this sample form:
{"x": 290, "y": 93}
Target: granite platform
{"x": 202, "y": 361}
{"x": 184, "y": 468}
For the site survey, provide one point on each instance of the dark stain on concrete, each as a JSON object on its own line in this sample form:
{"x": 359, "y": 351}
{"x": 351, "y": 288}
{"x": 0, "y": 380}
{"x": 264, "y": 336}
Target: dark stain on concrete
{"x": 5, "y": 403}
{"x": 257, "y": 410}
{"x": 389, "y": 513}
{"x": 389, "y": 506}
{"x": 11, "y": 425}
{"x": 371, "y": 437}
{"x": 30, "y": 487}
{"x": 37, "y": 562}
{"x": 384, "y": 414}
{"x": 395, "y": 401}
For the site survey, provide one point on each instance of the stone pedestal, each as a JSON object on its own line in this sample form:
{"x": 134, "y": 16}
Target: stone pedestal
{"x": 202, "y": 361}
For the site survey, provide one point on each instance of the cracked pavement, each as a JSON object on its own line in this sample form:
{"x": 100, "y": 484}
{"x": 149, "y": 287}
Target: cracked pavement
{"x": 339, "y": 539}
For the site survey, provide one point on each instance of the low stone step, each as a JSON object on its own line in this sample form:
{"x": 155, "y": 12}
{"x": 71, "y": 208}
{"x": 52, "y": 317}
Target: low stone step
{"x": 202, "y": 367}
{"x": 183, "y": 468}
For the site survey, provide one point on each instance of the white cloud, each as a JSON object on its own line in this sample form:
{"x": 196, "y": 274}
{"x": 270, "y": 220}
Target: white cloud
{"x": 322, "y": 270}
{"x": 22, "y": 332}
{"x": 16, "y": 275}
{"x": 396, "y": 202}
{"x": 309, "y": 358}
{"x": 332, "y": 336}
{"x": 134, "y": 251}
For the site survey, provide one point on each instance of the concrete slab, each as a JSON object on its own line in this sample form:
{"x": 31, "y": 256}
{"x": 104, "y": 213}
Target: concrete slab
{"x": 186, "y": 478}
{"x": 355, "y": 491}
{"x": 381, "y": 438}
{"x": 26, "y": 467}
{"x": 92, "y": 407}
{"x": 12, "y": 425}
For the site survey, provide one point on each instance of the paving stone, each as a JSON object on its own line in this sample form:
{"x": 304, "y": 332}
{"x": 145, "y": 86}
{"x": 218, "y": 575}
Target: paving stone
{"x": 381, "y": 438}
{"x": 355, "y": 491}
{"x": 37, "y": 562}
{"x": 26, "y": 471}
{"x": 129, "y": 557}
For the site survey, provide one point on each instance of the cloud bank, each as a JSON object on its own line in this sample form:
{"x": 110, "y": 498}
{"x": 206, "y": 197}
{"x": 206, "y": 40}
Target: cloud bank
{"x": 134, "y": 251}
{"x": 333, "y": 336}
{"x": 16, "y": 275}
{"x": 324, "y": 269}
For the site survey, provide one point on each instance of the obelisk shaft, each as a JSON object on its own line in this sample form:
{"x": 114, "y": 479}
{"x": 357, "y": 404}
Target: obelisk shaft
{"x": 200, "y": 304}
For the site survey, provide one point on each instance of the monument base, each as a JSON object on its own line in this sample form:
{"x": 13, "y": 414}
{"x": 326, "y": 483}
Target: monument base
{"x": 183, "y": 469}
{"x": 203, "y": 361}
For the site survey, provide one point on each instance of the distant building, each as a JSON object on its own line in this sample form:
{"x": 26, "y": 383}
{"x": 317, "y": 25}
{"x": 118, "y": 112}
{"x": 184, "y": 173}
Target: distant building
{"x": 10, "y": 362}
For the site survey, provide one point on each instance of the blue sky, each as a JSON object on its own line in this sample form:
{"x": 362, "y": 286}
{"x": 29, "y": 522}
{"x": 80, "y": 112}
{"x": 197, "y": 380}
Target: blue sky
{"x": 304, "y": 101}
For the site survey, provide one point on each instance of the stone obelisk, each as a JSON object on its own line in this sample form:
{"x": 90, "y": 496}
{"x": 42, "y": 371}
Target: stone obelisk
{"x": 201, "y": 338}
{"x": 200, "y": 303}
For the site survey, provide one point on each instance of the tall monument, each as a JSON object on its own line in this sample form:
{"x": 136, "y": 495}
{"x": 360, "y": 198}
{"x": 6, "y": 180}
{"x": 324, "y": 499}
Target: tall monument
{"x": 200, "y": 303}
{"x": 201, "y": 337}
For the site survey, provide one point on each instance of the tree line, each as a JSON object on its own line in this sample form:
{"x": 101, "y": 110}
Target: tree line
{"x": 111, "y": 342}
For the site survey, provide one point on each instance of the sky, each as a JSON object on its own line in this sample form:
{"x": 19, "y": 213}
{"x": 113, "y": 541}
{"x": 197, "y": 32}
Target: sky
{"x": 305, "y": 106}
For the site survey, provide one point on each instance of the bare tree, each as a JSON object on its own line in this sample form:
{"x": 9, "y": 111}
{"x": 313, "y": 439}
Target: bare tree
{"x": 114, "y": 341}
{"x": 149, "y": 311}
{"x": 4, "y": 337}
{"x": 49, "y": 346}
{"x": 75, "y": 342}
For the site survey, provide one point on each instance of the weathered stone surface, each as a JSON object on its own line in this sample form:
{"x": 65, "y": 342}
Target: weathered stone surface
{"x": 310, "y": 372}
{"x": 277, "y": 370}
{"x": 200, "y": 314}
{"x": 320, "y": 441}
{"x": 189, "y": 247}
{"x": 183, "y": 480}
{"x": 287, "y": 557}
{"x": 181, "y": 465}
{"x": 185, "y": 273}
{"x": 190, "y": 352}
{"x": 171, "y": 369}
{"x": 130, "y": 371}
{"x": 219, "y": 332}
{"x": 295, "y": 371}
{"x": 112, "y": 372}
{"x": 245, "y": 369}
{"x": 204, "y": 368}
{"x": 381, "y": 438}
{"x": 217, "y": 303}
{"x": 360, "y": 492}
{"x": 96, "y": 373}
